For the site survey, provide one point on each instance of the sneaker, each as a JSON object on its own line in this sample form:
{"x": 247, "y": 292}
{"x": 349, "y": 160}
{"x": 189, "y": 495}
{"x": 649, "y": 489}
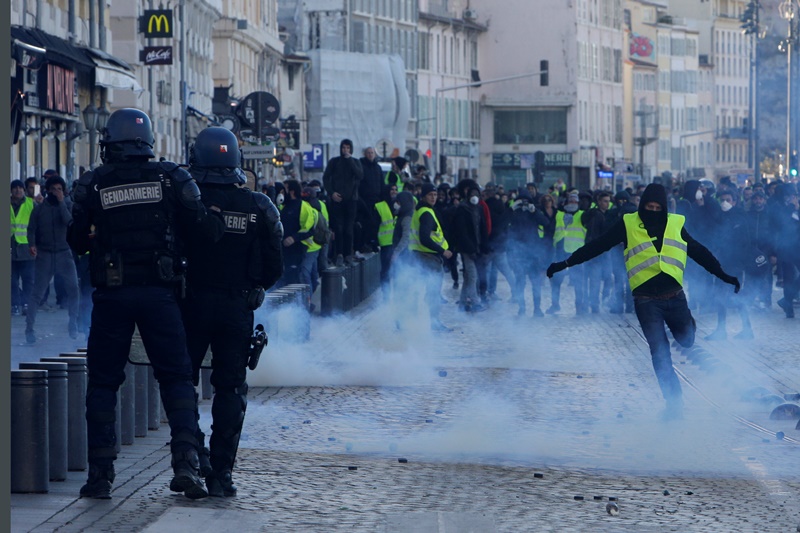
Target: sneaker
{"x": 185, "y": 465}
{"x": 30, "y": 337}
{"x": 553, "y": 309}
{"x": 24, "y": 310}
{"x": 98, "y": 485}
{"x": 478, "y": 308}
{"x": 220, "y": 485}
{"x": 455, "y": 285}
{"x": 15, "y": 311}
{"x": 538, "y": 312}
{"x": 744, "y": 335}
{"x": 787, "y": 307}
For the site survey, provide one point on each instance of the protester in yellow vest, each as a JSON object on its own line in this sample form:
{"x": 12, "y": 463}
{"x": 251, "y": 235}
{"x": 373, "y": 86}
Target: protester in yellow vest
{"x": 428, "y": 246}
{"x": 570, "y": 234}
{"x": 395, "y": 176}
{"x": 656, "y": 247}
{"x": 22, "y": 262}
{"x": 386, "y": 221}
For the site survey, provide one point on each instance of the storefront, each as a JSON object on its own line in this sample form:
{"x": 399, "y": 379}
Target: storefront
{"x": 514, "y": 170}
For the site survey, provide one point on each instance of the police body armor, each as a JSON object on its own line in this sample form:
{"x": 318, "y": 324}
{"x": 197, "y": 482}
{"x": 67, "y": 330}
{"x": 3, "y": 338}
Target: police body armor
{"x": 135, "y": 241}
{"x": 235, "y": 261}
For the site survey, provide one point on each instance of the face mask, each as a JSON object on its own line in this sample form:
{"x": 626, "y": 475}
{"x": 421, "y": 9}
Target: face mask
{"x": 474, "y": 200}
{"x": 726, "y": 206}
{"x": 571, "y": 208}
{"x": 698, "y": 195}
{"x": 280, "y": 198}
{"x": 513, "y": 196}
{"x": 653, "y": 218}
{"x": 51, "y": 199}
{"x": 396, "y": 207}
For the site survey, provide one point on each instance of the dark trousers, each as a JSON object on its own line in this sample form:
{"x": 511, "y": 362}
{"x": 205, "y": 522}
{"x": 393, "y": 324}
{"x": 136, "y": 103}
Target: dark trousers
{"x": 343, "y": 219}
{"x": 653, "y": 315}
{"x": 221, "y": 320}
{"x": 115, "y": 314}
{"x": 22, "y": 273}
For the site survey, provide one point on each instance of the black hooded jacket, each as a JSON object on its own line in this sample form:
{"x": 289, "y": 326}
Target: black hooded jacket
{"x": 655, "y": 226}
{"x": 343, "y": 174}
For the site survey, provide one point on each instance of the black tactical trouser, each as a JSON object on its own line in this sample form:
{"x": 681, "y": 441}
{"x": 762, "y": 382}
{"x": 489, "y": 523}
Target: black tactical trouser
{"x": 220, "y": 318}
{"x": 155, "y": 311}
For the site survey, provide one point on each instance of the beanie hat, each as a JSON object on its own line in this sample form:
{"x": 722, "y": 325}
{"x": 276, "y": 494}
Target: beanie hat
{"x": 55, "y": 180}
{"x": 17, "y": 183}
{"x": 427, "y": 188}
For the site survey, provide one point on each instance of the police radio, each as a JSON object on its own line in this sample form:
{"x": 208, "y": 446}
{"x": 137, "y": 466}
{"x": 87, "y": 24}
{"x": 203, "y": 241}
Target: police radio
{"x": 257, "y": 344}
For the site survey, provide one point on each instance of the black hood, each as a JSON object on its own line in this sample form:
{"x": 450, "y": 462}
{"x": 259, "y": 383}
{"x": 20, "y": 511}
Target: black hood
{"x": 346, "y": 142}
{"x": 655, "y": 192}
{"x": 690, "y": 189}
{"x": 386, "y": 194}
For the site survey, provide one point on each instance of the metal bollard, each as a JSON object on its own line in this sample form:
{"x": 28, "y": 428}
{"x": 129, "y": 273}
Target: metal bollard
{"x": 118, "y": 423}
{"x": 332, "y": 288}
{"x": 140, "y": 408}
{"x": 153, "y": 400}
{"x": 272, "y": 303}
{"x": 30, "y": 464}
{"x": 56, "y": 415}
{"x": 205, "y": 380}
{"x": 127, "y": 400}
{"x": 77, "y": 445}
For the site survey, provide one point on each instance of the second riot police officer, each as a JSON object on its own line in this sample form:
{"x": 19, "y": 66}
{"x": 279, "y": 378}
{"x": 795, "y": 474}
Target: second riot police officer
{"x": 131, "y": 215}
{"x": 226, "y": 283}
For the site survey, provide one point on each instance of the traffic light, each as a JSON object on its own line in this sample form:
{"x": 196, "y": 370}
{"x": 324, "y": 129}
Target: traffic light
{"x": 793, "y": 165}
{"x": 544, "y": 73}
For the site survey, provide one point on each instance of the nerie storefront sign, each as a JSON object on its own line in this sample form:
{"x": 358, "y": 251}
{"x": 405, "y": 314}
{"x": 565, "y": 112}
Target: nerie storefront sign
{"x": 122, "y": 195}
{"x": 237, "y": 222}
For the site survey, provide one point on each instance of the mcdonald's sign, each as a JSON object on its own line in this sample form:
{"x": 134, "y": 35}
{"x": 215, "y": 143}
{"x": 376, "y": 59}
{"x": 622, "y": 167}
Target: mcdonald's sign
{"x": 156, "y": 23}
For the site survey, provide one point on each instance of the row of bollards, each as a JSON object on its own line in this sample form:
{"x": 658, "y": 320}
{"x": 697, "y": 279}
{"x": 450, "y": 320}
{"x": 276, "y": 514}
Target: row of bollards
{"x": 48, "y": 422}
{"x": 287, "y": 313}
{"x": 346, "y": 286}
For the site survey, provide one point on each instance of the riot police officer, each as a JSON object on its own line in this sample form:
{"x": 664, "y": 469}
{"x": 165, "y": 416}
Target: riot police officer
{"x": 226, "y": 283}
{"x": 131, "y": 215}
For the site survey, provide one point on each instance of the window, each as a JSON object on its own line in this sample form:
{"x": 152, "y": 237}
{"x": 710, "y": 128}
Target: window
{"x": 606, "y": 63}
{"x": 424, "y": 50}
{"x": 595, "y": 66}
{"x": 617, "y": 66}
{"x": 545, "y": 126}
{"x": 618, "y": 124}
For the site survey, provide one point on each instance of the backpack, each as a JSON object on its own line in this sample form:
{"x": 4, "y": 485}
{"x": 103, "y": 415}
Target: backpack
{"x": 321, "y": 232}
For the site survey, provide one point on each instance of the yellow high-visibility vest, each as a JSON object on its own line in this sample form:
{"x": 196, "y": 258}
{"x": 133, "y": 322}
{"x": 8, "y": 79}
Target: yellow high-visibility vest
{"x": 436, "y": 235}
{"x": 20, "y": 221}
{"x": 574, "y": 235}
{"x": 643, "y": 261}
{"x": 386, "y": 229}
{"x": 308, "y": 218}
{"x": 400, "y": 184}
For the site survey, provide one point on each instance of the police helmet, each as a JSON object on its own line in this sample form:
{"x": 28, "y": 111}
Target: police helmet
{"x": 215, "y": 157}
{"x": 128, "y": 132}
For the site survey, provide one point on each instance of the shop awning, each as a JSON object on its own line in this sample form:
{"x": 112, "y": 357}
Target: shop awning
{"x": 58, "y": 50}
{"x": 112, "y": 72}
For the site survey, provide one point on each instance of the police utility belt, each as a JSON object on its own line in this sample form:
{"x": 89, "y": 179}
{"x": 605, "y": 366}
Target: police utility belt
{"x": 163, "y": 270}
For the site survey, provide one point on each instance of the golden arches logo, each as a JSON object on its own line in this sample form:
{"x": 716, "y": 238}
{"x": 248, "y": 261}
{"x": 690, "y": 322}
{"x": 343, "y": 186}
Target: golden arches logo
{"x": 157, "y": 20}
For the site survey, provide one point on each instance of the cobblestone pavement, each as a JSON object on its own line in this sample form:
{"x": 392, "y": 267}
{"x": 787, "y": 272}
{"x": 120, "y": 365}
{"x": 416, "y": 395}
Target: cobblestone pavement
{"x": 504, "y": 424}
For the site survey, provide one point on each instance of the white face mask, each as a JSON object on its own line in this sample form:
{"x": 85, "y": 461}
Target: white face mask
{"x": 474, "y": 200}
{"x": 396, "y": 207}
{"x": 698, "y": 195}
{"x": 279, "y": 198}
{"x": 571, "y": 208}
{"x": 726, "y": 206}
{"x": 513, "y": 196}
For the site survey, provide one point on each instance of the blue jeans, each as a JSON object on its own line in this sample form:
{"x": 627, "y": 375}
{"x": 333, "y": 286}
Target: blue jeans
{"x": 653, "y": 314}
{"x": 309, "y": 275}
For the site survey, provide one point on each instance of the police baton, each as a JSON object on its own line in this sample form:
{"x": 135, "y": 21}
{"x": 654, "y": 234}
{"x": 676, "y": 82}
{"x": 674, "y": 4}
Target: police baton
{"x": 257, "y": 344}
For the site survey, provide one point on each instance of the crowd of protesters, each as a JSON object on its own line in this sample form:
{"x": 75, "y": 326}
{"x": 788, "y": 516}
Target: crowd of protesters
{"x": 488, "y": 231}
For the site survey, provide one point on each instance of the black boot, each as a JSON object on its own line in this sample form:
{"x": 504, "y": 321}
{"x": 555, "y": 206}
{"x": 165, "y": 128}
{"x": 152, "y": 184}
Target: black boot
{"x": 220, "y": 484}
{"x": 186, "y": 465}
{"x": 98, "y": 485}
{"x": 205, "y": 462}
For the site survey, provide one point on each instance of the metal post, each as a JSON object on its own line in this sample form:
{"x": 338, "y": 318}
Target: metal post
{"x": 153, "y": 401}
{"x": 30, "y": 468}
{"x": 184, "y": 91}
{"x": 57, "y": 420}
{"x": 77, "y": 441}
{"x": 127, "y": 400}
{"x": 141, "y": 413}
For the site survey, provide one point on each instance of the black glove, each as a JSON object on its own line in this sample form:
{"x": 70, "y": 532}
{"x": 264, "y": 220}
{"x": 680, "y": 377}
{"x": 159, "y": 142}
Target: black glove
{"x": 556, "y": 267}
{"x": 732, "y": 280}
